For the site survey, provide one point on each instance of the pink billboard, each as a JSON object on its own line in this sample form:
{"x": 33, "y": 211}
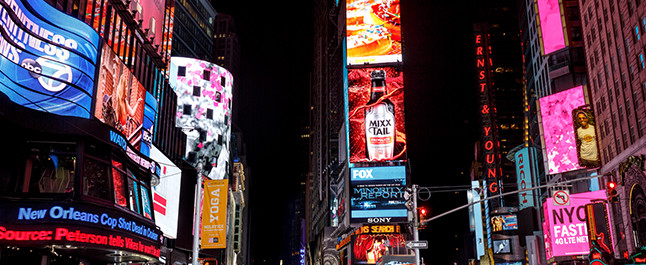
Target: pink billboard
{"x": 564, "y": 228}
{"x": 558, "y": 132}
{"x": 551, "y": 25}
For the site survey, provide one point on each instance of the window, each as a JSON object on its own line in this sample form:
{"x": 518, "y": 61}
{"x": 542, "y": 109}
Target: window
{"x": 50, "y": 168}
{"x": 209, "y": 114}
{"x": 641, "y": 61}
{"x": 186, "y": 110}
{"x": 223, "y": 81}
{"x": 637, "y": 37}
{"x": 206, "y": 74}
{"x": 197, "y": 91}
{"x": 119, "y": 182}
{"x": 95, "y": 178}
{"x": 181, "y": 71}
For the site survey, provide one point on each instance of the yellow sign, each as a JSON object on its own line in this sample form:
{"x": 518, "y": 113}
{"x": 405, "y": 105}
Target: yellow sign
{"x": 214, "y": 214}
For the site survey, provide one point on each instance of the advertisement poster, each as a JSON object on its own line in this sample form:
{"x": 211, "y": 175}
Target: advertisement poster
{"x": 52, "y": 68}
{"x": 586, "y": 136}
{"x": 551, "y": 26}
{"x": 214, "y": 214}
{"x": 373, "y": 31}
{"x": 504, "y": 222}
{"x": 525, "y": 168}
{"x": 377, "y": 194}
{"x": 204, "y": 104}
{"x": 165, "y": 204}
{"x": 558, "y": 131}
{"x": 371, "y": 248}
{"x": 376, "y": 115}
{"x": 120, "y": 98}
{"x": 565, "y": 227}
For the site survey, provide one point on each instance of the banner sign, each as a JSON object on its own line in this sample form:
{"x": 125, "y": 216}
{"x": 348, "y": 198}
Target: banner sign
{"x": 214, "y": 214}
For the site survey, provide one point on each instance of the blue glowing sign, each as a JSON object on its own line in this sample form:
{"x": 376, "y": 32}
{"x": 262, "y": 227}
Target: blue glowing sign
{"x": 45, "y": 66}
{"x": 377, "y": 194}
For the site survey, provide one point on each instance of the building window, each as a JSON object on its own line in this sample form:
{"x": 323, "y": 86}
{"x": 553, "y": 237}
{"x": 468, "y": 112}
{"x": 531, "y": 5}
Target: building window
{"x": 181, "y": 71}
{"x": 197, "y": 91}
{"x": 50, "y": 168}
{"x": 637, "y": 37}
{"x": 641, "y": 61}
{"x": 206, "y": 75}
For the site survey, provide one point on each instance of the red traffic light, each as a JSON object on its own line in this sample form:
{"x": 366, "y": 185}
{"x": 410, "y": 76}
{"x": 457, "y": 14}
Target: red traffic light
{"x": 423, "y": 211}
{"x": 612, "y": 185}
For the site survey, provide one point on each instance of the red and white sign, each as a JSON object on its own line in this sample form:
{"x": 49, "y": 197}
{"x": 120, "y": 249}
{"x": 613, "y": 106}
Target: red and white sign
{"x": 166, "y": 194}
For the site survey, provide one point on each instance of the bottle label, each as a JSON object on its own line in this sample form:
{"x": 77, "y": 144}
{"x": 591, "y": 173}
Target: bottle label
{"x": 380, "y": 131}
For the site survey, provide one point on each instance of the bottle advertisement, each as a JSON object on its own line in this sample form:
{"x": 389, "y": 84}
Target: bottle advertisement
{"x": 376, "y": 115}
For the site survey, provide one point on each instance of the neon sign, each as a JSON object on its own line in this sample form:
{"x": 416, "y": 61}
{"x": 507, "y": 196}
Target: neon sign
{"x": 66, "y": 235}
{"x": 491, "y": 167}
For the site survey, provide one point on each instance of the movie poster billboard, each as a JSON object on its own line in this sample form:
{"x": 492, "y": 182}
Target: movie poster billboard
{"x": 376, "y": 115}
{"x": 214, "y": 214}
{"x": 551, "y": 19}
{"x": 377, "y": 194}
{"x": 558, "y": 132}
{"x": 586, "y": 137}
{"x": 204, "y": 98}
{"x": 165, "y": 202}
{"x": 565, "y": 230}
{"x": 504, "y": 222}
{"x": 121, "y": 99}
{"x": 373, "y": 32}
{"x": 43, "y": 66}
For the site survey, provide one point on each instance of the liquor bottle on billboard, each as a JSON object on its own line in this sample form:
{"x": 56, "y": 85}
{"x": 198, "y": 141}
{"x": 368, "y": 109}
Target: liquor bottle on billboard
{"x": 379, "y": 120}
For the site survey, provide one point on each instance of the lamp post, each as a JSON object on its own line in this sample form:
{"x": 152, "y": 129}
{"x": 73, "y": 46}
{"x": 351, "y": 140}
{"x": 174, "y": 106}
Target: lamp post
{"x": 196, "y": 221}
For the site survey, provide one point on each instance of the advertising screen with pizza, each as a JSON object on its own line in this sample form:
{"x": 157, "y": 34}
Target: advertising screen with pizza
{"x": 376, "y": 115}
{"x": 373, "y": 31}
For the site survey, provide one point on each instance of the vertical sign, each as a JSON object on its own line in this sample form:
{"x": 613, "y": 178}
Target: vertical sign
{"x": 524, "y": 175}
{"x": 214, "y": 214}
{"x": 491, "y": 164}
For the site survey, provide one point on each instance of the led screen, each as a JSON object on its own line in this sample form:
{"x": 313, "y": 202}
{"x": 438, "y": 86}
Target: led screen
{"x": 504, "y": 222}
{"x": 121, "y": 100}
{"x": 371, "y": 248}
{"x": 204, "y": 97}
{"x": 558, "y": 132}
{"x": 373, "y": 31}
{"x": 551, "y": 25}
{"x": 502, "y": 246}
{"x": 377, "y": 194}
{"x": 165, "y": 203}
{"x": 565, "y": 226}
{"x": 43, "y": 66}
{"x": 586, "y": 137}
{"x": 376, "y": 115}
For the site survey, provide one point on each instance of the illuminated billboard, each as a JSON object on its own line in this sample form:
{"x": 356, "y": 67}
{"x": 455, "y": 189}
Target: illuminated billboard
{"x": 504, "y": 222}
{"x": 525, "y": 174}
{"x": 558, "y": 132}
{"x": 373, "y": 32}
{"x": 377, "y": 194}
{"x": 44, "y": 66}
{"x": 552, "y": 33}
{"x": 376, "y": 115}
{"x": 76, "y": 224}
{"x": 565, "y": 228}
{"x": 371, "y": 248}
{"x": 586, "y": 137}
{"x": 204, "y": 98}
{"x": 165, "y": 202}
{"x": 122, "y": 102}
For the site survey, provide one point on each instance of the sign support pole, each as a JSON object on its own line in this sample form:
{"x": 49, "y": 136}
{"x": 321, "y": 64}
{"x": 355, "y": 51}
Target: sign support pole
{"x": 415, "y": 223}
{"x": 196, "y": 220}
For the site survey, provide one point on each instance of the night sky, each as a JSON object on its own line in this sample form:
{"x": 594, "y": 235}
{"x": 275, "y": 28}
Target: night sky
{"x": 440, "y": 100}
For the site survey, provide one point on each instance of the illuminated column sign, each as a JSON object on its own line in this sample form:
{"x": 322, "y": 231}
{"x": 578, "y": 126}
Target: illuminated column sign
{"x": 491, "y": 165}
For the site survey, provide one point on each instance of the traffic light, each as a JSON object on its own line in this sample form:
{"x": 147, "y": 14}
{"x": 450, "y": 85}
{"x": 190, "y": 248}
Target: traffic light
{"x": 422, "y": 213}
{"x": 612, "y": 191}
